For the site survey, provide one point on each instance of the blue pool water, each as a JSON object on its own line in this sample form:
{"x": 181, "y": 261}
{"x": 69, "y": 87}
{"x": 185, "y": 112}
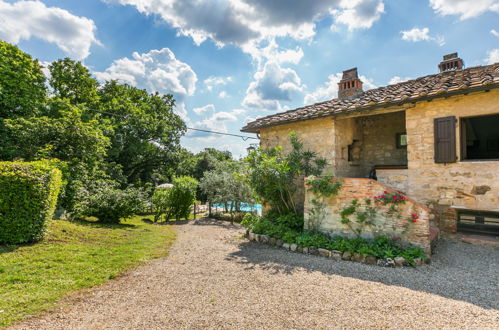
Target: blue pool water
{"x": 246, "y": 207}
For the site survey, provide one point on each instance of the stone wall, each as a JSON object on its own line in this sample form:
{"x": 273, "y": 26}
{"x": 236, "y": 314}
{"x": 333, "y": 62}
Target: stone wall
{"x": 396, "y": 179}
{"x": 402, "y": 227}
{"x": 467, "y": 184}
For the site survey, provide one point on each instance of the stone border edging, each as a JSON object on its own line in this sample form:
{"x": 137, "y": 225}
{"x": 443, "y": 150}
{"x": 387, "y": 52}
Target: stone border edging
{"x": 335, "y": 255}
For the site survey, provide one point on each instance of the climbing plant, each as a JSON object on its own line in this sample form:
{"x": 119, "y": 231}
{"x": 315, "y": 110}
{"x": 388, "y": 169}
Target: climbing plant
{"x": 322, "y": 188}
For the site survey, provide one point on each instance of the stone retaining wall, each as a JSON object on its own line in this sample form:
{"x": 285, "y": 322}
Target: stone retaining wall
{"x": 395, "y": 226}
{"x": 335, "y": 255}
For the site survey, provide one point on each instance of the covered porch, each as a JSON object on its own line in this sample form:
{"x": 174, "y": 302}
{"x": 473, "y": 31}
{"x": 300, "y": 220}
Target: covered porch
{"x": 372, "y": 146}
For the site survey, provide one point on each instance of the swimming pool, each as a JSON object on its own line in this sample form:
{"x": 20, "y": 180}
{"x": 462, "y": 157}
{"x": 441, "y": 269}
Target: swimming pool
{"x": 245, "y": 207}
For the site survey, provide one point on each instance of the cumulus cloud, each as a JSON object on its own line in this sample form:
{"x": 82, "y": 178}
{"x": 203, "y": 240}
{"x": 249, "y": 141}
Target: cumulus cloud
{"x": 216, "y": 121}
{"x": 329, "y": 90}
{"x": 241, "y": 22}
{"x": 23, "y": 20}
{"x": 206, "y": 108}
{"x": 223, "y": 95}
{"x": 492, "y": 56}
{"x": 464, "y": 8}
{"x": 213, "y": 81}
{"x": 271, "y": 85}
{"x": 397, "y": 79}
{"x": 417, "y": 34}
{"x": 494, "y": 33}
{"x": 157, "y": 71}
{"x": 359, "y": 14}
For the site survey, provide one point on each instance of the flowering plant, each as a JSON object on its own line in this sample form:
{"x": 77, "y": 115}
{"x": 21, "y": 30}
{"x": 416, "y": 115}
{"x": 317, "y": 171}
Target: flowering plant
{"x": 390, "y": 198}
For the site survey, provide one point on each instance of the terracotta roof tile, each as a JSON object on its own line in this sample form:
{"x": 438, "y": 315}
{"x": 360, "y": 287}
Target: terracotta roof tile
{"x": 437, "y": 85}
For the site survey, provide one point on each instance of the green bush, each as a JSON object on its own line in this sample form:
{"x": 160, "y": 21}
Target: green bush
{"x": 28, "y": 196}
{"x": 105, "y": 201}
{"x": 175, "y": 202}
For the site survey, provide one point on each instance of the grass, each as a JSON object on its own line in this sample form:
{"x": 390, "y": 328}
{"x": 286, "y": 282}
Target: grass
{"x": 73, "y": 256}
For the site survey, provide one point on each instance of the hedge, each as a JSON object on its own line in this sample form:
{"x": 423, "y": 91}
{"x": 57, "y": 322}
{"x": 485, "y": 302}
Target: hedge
{"x": 28, "y": 197}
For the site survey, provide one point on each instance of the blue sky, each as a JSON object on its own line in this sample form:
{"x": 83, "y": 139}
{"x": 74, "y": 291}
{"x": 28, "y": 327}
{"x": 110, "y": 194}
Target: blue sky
{"x": 230, "y": 61}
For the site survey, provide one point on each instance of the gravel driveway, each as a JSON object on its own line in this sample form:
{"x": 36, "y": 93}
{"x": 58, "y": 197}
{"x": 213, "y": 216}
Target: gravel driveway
{"x": 215, "y": 279}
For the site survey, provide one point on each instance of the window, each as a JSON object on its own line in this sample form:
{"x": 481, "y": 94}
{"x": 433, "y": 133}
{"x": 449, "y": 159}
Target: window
{"x": 401, "y": 140}
{"x": 480, "y": 137}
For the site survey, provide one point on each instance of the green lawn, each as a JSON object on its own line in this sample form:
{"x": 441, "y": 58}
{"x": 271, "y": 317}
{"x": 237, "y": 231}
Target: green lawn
{"x": 74, "y": 255}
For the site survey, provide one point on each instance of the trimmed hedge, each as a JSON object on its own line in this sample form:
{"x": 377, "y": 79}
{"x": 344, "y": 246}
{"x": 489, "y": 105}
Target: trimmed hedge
{"x": 28, "y": 197}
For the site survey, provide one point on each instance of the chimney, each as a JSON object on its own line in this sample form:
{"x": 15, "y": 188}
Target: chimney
{"x": 350, "y": 85}
{"x": 451, "y": 62}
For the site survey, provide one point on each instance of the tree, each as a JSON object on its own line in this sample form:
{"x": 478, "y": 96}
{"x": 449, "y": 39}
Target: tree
{"x": 226, "y": 185}
{"x": 71, "y": 80}
{"x": 22, "y": 91}
{"x": 273, "y": 173}
{"x": 145, "y": 132}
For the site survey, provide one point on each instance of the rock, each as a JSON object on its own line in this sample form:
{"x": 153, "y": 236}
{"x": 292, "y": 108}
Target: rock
{"x": 286, "y": 246}
{"x": 252, "y": 237}
{"x": 418, "y": 261}
{"x": 304, "y": 250}
{"x": 388, "y": 262}
{"x": 247, "y": 233}
{"x": 358, "y": 257}
{"x": 313, "y": 250}
{"x": 346, "y": 255}
{"x": 272, "y": 241}
{"x": 279, "y": 242}
{"x": 264, "y": 239}
{"x": 336, "y": 255}
{"x": 400, "y": 261}
{"x": 371, "y": 260}
{"x": 324, "y": 253}
{"x": 257, "y": 237}
{"x": 293, "y": 247}
{"x": 299, "y": 249}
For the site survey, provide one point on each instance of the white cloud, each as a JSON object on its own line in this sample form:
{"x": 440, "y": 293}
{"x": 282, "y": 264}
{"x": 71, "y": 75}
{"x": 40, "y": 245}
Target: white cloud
{"x": 223, "y": 95}
{"x": 494, "y": 32}
{"x": 206, "y": 108}
{"x": 23, "y": 20}
{"x": 464, "y": 8}
{"x": 270, "y": 86}
{"x": 212, "y": 81}
{"x": 329, "y": 90}
{"x": 397, "y": 79}
{"x": 417, "y": 34}
{"x": 273, "y": 53}
{"x": 359, "y": 14}
{"x": 215, "y": 122}
{"x": 493, "y": 56}
{"x": 157, "y": 71}
{"x": 242, "y": 22}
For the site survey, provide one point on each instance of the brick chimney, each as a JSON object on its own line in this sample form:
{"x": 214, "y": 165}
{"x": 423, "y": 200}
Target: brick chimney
{"x": 451, "y": 62}
{"x": 350, "y": 85}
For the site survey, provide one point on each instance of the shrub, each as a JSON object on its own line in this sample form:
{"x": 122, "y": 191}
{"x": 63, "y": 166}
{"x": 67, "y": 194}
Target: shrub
{"x": 105, "y": 201}
{"x": 175, "y": 202}
{"x": 28, "y": 196}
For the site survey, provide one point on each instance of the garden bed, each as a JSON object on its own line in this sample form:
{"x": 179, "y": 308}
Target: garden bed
{"x": 336, "y": 254}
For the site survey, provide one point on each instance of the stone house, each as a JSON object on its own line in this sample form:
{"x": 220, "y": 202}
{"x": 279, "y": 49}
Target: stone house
{"x": 435, "y": 138}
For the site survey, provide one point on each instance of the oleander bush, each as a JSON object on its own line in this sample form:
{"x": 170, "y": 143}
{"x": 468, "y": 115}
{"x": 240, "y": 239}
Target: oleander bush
{"x": 175, "y": 202}
{"x": 28, "y": 197}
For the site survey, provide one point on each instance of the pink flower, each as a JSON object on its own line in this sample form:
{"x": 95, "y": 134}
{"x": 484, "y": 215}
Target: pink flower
{"x": 385, "y": 192}
{"x": 394, "y": 197}
{"x": 413, "y": 220}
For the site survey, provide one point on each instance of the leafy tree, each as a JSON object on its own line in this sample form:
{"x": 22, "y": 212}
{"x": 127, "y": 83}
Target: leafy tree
{"x": 226, "y": 185}
{"x": 71, "y": 80}
{"x": 145, "y": 132}
{"x": 273, "y": 173}
{"x": 22, "y": 91}
{"x": 82, "y": 145}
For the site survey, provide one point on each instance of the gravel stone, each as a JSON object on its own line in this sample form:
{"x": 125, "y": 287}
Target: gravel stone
{"x": 264, "y": 239}
{"x": 313, "y": 250}
{"x": 358, "y": 257}
{"x": 272, "y": 241}
{"x": 212, "y": 279}
{"x": 293, "y": 247}
{"x": 279, "y": 242}
{"x": 304, "y": 250}
{"x": 388, "y": 262}
{"x": 286, "y": 246}
{"x": 371, "y": 260}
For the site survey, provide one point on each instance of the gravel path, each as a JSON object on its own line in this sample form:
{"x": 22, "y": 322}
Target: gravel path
{"x": 214, "y": 279}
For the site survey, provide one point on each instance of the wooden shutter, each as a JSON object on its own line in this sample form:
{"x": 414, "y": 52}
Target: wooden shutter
{"x": 445, "y": 140}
